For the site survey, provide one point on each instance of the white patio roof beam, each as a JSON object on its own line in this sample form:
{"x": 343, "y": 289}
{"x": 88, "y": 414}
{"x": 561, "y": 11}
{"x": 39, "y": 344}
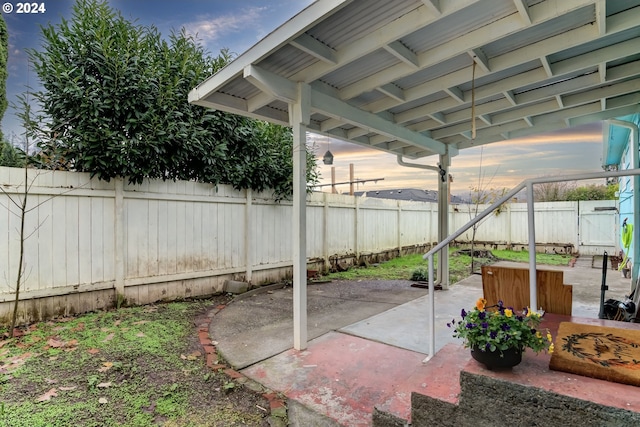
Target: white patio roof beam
{"x": 382, "y": 37}
{"x": 289, "y": 31}
{"x": 530, "y": 77}
{"x": 472, "y": 40}
{"x": 531, "y": 104}
{"x": 549, "y": 126}
{"x": 286, "y": 91}
{"x": 315, "y": 48}
{"x": 333, "y": 107}
{"x": 550, "y": 107}
{"x": 549, "y": 46}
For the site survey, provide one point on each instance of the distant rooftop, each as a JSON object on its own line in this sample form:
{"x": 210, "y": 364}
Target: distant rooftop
{"x": 410, "y": 194}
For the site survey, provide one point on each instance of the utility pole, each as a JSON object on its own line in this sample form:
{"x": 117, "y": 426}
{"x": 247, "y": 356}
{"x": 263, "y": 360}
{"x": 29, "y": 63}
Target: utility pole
{"x": 351, "y": 181}
{"x": 333, "y": 180}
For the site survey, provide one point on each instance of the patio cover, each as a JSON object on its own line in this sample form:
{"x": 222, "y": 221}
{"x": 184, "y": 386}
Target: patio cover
{"x": 399, "y": 76}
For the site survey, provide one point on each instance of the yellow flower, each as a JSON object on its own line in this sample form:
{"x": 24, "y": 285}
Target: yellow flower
{"x": 549, "y": 337}
{"x": 538, "y": 334}
{"x": 551, "y": 347}
{"x": 508, "y": 312}
{"x": 480, "y": 304}
{"x": 529, "y": 312}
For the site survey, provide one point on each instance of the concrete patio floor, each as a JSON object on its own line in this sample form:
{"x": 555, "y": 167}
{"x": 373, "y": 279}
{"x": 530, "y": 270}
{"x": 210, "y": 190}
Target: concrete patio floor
{"x": 368, "y": 340}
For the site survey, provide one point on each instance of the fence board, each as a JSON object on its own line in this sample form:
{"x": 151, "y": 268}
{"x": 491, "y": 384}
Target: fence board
{"x": 204, "y": 237}
{"x": 84, "y": 240}
{"x": 180, "y": 241}
{"x": 98, "y": 239}
{"x": 152, "y": 238}
{"x": 59, "y": 242}
{"x": 41, "y": 265}
{"x": 108, "y": 242}
{"x": 71, "y": 230}
{"x": 5, "y": 236}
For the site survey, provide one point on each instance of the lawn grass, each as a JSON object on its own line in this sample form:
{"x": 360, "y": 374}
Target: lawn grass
{"x": 403, "y": 268}
{"x": 523, "y": 256}
{"x": 135, "y": 367}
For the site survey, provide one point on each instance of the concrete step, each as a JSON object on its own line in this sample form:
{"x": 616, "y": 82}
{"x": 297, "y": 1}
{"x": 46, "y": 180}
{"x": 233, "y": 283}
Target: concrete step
{"x": 441, "y": 381}
{"x": 339, "y": 380}
{"x": 530, "y": 393}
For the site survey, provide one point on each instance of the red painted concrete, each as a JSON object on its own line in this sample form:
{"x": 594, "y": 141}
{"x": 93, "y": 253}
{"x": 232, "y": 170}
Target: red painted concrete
{"x": 534, "y": 371}
{"x": 345, "y": 377}
{"x": 444, "y": 373}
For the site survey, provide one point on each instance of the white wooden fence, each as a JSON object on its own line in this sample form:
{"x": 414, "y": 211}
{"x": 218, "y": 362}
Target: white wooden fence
{"x": 90, "y": 240}
{"x": 587, "y": 227}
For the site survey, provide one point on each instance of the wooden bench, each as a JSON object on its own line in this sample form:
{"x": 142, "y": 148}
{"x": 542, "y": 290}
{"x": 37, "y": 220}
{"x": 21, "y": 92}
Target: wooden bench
{"x": 511, "y": 285}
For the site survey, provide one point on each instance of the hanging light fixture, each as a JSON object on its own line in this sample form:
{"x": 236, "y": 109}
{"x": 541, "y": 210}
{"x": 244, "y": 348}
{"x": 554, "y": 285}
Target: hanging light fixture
{"x": 327, "y": 159}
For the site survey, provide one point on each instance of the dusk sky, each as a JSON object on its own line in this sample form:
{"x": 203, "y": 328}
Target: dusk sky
{"x": 239, "y": 24}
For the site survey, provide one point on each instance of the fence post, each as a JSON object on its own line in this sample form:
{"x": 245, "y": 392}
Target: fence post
{"x": 432, "y": 233}
{"x": 248, "y": 235}
{"x": 355, "y": 230}
{"x": 325, "y": 231}
{"x": 399, "y": 234}
{"x": 119, "y": 243}
{"x": 509, "y": 225}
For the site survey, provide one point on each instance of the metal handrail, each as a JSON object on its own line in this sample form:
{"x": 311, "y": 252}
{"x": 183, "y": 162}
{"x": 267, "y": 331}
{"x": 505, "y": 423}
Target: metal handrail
{"x": 528, "y": 183}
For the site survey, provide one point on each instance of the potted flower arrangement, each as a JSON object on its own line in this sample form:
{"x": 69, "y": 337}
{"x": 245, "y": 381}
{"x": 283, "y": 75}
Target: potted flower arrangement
{"x": 498, "y": 335}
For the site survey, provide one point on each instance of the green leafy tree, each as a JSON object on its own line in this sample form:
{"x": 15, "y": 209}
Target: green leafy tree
{"x": 115, "y": 104}
{"x": 11, "y": 156}
{"x": 569, "y": 191}
{"x": 612, "y": 190}
{"x": 592, "y": 192}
